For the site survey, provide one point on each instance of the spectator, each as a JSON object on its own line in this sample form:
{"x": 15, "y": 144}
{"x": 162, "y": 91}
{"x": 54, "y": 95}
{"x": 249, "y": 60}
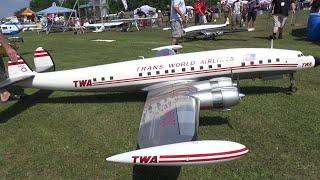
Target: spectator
{"x": 236, "y": 13}
{"x": 226, "y": 11}
{"x": 197, "y": 9}
{"x": 253, "y": 7}
{"x": 177, "y": 19}
{"x": 244, "y": 13}
{"x": 280, "y": 11}
{"x": 12, "y": 54}
{"x": 203, "y": 10}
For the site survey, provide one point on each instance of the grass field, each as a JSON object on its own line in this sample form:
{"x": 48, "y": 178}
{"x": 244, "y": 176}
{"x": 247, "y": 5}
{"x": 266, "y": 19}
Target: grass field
{"x": 63, "y": 135}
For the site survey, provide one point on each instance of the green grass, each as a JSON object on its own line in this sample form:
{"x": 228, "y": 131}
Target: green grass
{"x": 55, "y": 135}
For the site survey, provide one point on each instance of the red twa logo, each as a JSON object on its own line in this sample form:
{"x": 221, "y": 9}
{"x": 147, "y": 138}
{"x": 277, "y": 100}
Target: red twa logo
{"x": 82, "y": 83}
{"x": 145, "y": 159}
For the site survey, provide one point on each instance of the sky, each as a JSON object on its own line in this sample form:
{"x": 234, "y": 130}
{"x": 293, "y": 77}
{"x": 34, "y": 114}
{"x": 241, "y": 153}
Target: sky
{"x": 8, "y": 7}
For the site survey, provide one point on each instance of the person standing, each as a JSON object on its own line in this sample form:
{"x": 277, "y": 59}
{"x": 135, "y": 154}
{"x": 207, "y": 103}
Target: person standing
{"x": 253, "y": 7}
{"x": 177, "y": 19}
{"x": 236, "y": 14}
{"x": 6, "y": 49}
{"x": 280, "y": 11}
{"x": 197, "y": 9}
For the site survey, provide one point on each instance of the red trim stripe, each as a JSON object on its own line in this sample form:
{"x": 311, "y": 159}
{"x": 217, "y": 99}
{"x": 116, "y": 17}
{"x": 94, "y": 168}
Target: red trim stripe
{"x": 192, "y": 73}
{"x": 41, "y": 51}
{"x": 201, "y": 160}
{"x": 10, "y": 63}
{"x": 204, "y": 155}
{"x": 41, "y": 55}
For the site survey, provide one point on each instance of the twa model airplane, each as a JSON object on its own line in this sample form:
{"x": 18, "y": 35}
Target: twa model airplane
{"x": 209, "y": 31}
{"x": 178, "y": 86}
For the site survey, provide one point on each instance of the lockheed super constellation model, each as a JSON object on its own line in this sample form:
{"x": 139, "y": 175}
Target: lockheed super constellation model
{"x": 178, "y": 86}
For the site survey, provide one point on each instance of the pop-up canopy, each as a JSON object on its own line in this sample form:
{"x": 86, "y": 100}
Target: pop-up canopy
{"x": 54, "y": 9}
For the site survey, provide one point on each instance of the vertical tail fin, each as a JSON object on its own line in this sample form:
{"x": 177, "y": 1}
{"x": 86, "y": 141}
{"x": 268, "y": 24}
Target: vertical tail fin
{"x": 18, "y": 68}
{"x": 42, "y": 60}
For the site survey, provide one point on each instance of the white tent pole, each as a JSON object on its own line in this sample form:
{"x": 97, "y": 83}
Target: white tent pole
{"x": 74, "y": 6}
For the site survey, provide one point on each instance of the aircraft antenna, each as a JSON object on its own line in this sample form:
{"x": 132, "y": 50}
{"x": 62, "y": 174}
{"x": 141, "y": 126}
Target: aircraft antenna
{"x": 271, "y": 44}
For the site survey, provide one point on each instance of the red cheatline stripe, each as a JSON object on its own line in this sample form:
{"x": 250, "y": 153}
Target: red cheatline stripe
{"x": 41, "y": 55}
{"x": 201, "y": 160}
{"x": 41, "y": 51}
{"x": 203, "y": 155}
{"x": 191, "y": 73}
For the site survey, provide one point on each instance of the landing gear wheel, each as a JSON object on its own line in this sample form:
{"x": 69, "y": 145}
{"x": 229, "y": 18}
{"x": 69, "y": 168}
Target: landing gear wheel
{"x": 293, "y": 87}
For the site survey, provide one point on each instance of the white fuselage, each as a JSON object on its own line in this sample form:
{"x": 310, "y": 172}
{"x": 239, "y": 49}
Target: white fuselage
{"x": 137, "y": 74}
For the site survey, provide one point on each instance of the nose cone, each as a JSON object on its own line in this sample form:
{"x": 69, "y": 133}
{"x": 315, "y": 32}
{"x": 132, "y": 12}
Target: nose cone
{"x": 316, "y": 61}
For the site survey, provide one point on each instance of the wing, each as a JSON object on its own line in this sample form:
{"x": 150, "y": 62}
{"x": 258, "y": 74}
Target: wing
{"x": 14, "y": 80}
{"x": 169, "y": 116}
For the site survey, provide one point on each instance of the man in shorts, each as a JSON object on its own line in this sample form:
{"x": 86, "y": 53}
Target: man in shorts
{"x": 253, "y": 7}
{"x": 280, "y": 11}
{"x": 6, "y": 50}
{"x": 236, "y": 14}
{"x": 177, "y": 19}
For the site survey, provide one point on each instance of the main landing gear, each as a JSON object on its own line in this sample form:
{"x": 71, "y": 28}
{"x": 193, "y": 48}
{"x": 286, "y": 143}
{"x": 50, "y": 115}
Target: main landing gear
{"x": 293, "y": 85}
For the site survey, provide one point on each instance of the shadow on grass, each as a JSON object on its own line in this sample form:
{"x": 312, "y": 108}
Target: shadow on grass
{"x": 213, "y": 121}
{"x": 301, "y": 35}
{"x": 263, "y": 90}
{"x": 155, "y": 172}
{"x": 23, "y": 105}
{"x": 98, "y": 98}
{"x": 209, "y": 39}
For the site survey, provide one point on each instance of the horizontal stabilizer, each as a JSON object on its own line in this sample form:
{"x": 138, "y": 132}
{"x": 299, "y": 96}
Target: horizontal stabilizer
{"x": 185, "y": 153}
{"x": 167, "y": 50}
{"x": 11, "y": 81}
{"x": 43, "y": 61}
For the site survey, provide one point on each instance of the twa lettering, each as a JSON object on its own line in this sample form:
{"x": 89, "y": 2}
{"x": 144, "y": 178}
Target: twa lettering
{"x": 145, "y": 159}
{"x": 82, "y": 83}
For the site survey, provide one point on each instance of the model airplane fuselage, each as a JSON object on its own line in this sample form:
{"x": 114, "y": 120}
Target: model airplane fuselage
{"x": 138, "y": 74}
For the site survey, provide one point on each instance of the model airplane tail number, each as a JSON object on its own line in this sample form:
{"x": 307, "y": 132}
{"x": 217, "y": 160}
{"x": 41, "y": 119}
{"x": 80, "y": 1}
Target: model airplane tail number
{"x": 83, "y": 83}
{"x": 145, "y": 159}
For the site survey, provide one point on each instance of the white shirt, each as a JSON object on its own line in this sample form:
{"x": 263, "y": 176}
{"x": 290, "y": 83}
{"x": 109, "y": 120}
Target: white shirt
{"x": 174, "y": 14}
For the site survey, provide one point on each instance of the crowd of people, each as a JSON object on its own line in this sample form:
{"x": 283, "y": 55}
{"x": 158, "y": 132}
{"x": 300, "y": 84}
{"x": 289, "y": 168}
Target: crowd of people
{"x": 241, "y": 14}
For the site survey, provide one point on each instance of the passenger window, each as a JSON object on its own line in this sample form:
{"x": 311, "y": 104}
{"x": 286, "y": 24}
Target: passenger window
{"x": 166, "y": 71}
{"x": 149, "y": 73}
{"x": 201, "y": 67}
{"x": 183, "y": 69}
{"x": 269, "y": 60}
{"x": 111, "y": 77}
{"x": 243, "y": 64}
{"x": 172, "y": 70}
{"x": 210, "y": 66}
{"x": 219, "y": 65}
{"x": 158, "y": 72}
{"x": 252, "y": 62}
{"x": 192, "y": 68}
{"x": 278, "y": 60}
{"x": 140, "y": 74}
{"x": 260, "y": 62}
{"x": 94, "y": 79}
{"x": 102, "y": 79}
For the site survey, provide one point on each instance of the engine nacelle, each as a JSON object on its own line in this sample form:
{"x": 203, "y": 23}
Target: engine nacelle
{"x": 214, "y": 83}
{"x": 218, "y": 98}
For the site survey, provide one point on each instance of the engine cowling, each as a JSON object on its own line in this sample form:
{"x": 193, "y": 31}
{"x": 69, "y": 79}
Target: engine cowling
{"x": 219, "y": 98}
{"x": 214, "y": 83}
